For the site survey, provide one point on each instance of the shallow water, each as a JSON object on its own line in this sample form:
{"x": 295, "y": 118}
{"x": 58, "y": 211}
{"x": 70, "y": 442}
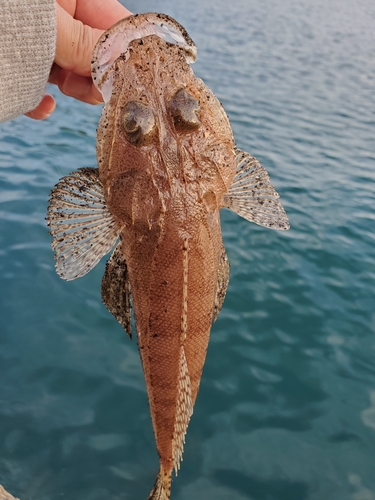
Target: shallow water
{"x": 286, "y": 409}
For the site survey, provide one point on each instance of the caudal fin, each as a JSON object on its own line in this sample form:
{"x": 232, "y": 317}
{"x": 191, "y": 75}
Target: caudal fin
{"x": 162, "y": 486}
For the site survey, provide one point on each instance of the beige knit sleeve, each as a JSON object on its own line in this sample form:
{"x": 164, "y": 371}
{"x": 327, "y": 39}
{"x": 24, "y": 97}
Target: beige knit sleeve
{"x": 4, "y": 495}
{"x": 27, "y": 49}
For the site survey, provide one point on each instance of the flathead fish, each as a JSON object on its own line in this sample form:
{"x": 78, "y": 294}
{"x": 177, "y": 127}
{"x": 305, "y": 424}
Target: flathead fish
{"x": 167, "y": 165}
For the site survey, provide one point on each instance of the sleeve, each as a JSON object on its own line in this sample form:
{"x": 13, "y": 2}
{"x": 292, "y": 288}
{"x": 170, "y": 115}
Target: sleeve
{"x": 27, "y": 50}
{"x": 4, "y": 495}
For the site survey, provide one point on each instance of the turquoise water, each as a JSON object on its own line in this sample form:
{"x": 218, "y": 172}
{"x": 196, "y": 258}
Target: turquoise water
{"x": 287, "y": 403}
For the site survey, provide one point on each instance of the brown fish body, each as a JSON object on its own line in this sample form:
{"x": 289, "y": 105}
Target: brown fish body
{"x": 167, "y": 165}
{"x": 171, "y": 235}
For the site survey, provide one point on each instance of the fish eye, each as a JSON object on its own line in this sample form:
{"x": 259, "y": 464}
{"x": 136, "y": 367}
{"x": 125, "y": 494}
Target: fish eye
{"x": 138, "y": 122}
{"x": 184, "y": 110}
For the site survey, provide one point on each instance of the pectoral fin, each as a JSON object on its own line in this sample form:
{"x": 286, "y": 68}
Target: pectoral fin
{"x": 252, "y": 195}
{"x": 116, "y": 289}
{"x": 222, "y": 282}
{"x": 82, "y": 227}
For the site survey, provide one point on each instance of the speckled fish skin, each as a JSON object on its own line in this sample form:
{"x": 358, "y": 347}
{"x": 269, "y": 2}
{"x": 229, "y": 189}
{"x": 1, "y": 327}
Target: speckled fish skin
{"x": 167, "y": 195}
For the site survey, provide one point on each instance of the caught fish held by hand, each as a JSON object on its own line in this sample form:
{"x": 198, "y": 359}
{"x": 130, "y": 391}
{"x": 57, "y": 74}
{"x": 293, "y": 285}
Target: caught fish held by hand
{"x": 168, "y": 164}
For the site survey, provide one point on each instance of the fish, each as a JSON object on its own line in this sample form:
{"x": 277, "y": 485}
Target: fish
{"x": 167, "y": 164}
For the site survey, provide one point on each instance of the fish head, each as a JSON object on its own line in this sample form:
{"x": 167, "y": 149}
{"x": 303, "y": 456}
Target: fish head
{"x": 163, "y": 134}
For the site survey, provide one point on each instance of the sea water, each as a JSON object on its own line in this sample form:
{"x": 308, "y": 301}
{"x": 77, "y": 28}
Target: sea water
{"x": 286, "y": 409}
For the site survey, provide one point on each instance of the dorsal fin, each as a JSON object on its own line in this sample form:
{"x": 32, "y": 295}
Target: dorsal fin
{"x": 184, "y": 410}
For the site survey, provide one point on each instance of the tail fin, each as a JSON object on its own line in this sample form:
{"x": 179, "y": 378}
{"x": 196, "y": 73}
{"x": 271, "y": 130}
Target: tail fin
{"x": 162, "y": 486}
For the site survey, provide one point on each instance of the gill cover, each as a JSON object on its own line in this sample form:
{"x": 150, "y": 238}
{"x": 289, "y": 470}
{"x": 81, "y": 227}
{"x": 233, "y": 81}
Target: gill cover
{"x": 116, "y": 40}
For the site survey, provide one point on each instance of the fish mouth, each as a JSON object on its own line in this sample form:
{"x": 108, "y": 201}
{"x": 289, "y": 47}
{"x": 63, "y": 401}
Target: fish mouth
{"x": 116, "y": 40}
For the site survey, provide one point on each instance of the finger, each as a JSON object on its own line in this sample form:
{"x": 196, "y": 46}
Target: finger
{"x": 100, "y": 13}
{"x": 75, "y": 43}
{"x": 46, "y": 106}
{"x": 77, "y": 86}
{"x": 69, "y": 6}
{"x": 54, "y": 74}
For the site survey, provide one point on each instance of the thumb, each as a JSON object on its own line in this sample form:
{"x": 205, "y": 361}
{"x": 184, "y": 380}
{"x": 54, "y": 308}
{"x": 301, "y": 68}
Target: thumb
{"x": 75, "y": 43}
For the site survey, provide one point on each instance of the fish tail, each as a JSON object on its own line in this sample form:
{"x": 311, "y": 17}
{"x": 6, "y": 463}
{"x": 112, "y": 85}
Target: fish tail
{"x": 162, "y": 486}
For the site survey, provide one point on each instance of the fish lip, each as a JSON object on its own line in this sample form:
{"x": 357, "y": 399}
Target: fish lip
{"x": 115, "y": 42}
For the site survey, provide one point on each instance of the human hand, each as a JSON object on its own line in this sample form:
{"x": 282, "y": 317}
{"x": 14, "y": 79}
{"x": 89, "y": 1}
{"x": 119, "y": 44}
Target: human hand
{"x": 79, "y": 25}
